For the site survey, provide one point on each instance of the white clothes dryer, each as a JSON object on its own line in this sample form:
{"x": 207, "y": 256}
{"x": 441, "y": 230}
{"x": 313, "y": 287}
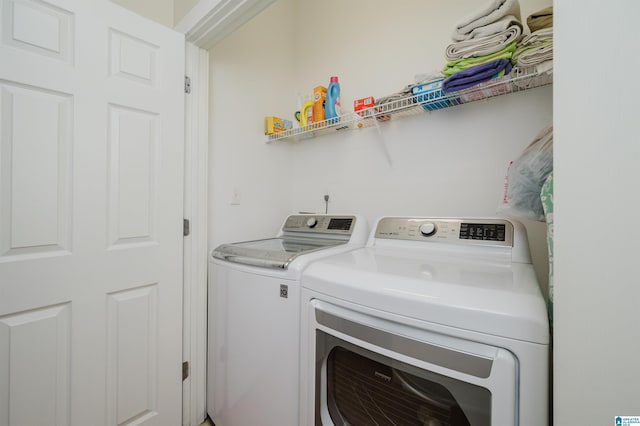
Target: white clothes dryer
{"x": 254, "y": 318}
{"x": 435, "y": 322}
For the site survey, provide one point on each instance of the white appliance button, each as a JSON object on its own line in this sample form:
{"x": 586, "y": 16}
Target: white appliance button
{"x": 427, "y": 229}
{"x": 312, "y": 222}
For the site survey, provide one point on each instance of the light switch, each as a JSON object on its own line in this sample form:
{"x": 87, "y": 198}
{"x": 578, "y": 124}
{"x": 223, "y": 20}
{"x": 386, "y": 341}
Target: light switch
{"x": 235, "y": 197}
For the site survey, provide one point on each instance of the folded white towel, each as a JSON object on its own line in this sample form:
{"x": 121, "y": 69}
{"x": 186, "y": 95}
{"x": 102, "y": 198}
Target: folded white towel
{"x": 534, "y": 48}
{"x": 534, "y": 55}
{"x": 545, "y": 34}
{"x": 500, "y": 25}
{"x": 484, "y": 45}
{"x": 492, "y": 12}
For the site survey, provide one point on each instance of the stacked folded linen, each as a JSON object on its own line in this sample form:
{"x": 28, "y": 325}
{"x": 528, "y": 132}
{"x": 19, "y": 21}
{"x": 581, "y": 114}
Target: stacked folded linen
{"x": 484, "y": 45}
{"x": 534, "y": 53}
{"x": 458, "y": 65}
{"x": 534, "y": 49}
{"x": 476, "y": 74}
{"x": 489, "y": 34}
{"x": 488, "y": 20}
{"x": 541, "y": 19}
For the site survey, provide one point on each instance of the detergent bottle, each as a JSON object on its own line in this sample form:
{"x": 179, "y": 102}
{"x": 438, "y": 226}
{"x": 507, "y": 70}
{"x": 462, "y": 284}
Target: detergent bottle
{"x": 319, "y": 98}
{"x": 306, "y": 113}
{"x": 332, "y": 104}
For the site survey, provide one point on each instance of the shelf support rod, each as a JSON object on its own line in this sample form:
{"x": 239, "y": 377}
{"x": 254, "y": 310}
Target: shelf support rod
{"x": 385, "y": 150}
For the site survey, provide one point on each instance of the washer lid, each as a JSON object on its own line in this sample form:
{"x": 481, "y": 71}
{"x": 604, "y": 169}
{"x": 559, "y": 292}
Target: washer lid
{"x": 472, "y": 293}
{"x": 272, "y": 252}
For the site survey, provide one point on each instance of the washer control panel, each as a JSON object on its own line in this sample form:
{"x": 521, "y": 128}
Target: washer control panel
{"x": 461, "y": 231}
{"x": 322, "y": 224}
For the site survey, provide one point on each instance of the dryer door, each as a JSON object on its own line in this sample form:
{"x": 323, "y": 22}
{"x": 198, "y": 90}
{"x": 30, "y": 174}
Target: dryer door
{"x": 373, "y": 371}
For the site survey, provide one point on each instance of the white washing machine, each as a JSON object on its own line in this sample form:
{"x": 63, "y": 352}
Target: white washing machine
{"x": 435, "y": 322}
{"x": 254, "y": 318}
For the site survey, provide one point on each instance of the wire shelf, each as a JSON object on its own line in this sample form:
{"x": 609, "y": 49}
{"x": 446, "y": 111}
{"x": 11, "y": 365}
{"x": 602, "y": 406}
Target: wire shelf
{"x": 517, "y": 81}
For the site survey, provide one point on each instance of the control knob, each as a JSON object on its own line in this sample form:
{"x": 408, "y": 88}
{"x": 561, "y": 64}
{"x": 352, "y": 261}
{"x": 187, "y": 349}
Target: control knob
{"x": 312, "y": 222}
{"x": 428, "y": 229}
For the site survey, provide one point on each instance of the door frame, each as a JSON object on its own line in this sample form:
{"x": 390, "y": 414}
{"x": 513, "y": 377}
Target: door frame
{"x": 195, "y": 256}
{"x": 208, "y": 22}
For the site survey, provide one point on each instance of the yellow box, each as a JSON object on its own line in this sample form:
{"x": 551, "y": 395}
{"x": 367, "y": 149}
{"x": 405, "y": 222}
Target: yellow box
{"x": 276, "y": 124}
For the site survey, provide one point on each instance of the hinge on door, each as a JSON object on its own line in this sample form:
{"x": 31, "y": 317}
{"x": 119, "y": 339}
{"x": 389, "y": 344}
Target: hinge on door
{"x": 186, "y": 228}
{"x": 187, "y": 84}
{"x": 185, "y": 370}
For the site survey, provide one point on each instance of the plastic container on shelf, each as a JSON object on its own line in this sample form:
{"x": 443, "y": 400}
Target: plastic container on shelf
{"x": 305, "y": 115}
{"x": 427, "y": 95}
{"x": 319, "y": 98}
{"x": 274, "y": 124}
{"x": 430, "y": 95}
{"x": 332, "y": 104}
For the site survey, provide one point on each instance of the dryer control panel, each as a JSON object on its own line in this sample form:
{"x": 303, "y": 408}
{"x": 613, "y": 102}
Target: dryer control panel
{"x": 320, "y": 224}
{"x": 497, "y": 232}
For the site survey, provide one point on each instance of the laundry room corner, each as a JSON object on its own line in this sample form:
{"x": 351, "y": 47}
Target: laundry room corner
{"x": 448, "y": 162}
{"x": 445, "y": 163}
{"x": 250, "y": 74}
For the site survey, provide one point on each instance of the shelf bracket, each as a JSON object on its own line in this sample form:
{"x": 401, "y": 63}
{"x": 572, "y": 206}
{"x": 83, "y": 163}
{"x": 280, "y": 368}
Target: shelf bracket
{"x": 383, "y": 144}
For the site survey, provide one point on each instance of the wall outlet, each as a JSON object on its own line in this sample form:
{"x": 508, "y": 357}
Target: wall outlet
{"x": 235, "y": 197}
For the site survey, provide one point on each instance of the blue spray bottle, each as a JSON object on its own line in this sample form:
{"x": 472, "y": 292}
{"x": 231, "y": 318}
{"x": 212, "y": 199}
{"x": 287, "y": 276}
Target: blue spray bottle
{"x": 332, "y": 102}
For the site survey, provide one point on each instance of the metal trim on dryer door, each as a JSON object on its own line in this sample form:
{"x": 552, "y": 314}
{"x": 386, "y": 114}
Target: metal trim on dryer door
{"x": 469, "y": 370}
{"x": 475, "y": 365}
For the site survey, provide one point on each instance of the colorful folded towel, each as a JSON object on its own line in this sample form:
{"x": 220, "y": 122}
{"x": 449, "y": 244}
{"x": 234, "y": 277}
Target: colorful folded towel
{"x": 484, "y": 45}
{"x": 476, "y": 74}
{"x": 492, "y": 12}
{"x": 457, "y": 65}
{"x": 540, "y": 19}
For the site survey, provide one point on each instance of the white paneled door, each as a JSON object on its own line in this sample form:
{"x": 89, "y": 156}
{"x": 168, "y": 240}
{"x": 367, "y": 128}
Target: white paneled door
{"x": 91, "y": 188}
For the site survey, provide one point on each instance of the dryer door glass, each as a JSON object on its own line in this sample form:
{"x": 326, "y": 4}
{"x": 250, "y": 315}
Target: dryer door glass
{"x": 364, "y": 388}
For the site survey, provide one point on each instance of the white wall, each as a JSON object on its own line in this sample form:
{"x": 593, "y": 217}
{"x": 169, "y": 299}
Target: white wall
{"x": 444, "y": 163}
{"x": 597, "y": 199}
{"x": 251, "y": 73}
{"x": 181, "y": 8}
{"x": 165, "y": 12}
{"x": 160, "y": 11}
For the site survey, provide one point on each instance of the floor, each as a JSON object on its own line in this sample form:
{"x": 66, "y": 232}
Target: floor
{"x": 207, "y": 422}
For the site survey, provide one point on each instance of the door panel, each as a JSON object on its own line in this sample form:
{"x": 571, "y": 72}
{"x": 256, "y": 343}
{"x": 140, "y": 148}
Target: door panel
{"x": 133, "y": 168}
{"x": 132, "y": 58}
{"x": 35, "y": 189}
{"x": 38, "y": 27}
{"x": 50, "y": 327}
{"x": 91, "y": 169}
{"x": 132, "y": 355}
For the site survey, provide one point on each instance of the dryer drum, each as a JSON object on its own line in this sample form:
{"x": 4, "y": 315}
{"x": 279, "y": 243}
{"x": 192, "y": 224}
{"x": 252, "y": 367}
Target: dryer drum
{"x": 362, "y": 391}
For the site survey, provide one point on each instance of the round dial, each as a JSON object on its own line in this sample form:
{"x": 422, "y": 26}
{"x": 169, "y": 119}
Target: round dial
{"x": 312, "y": 222}
{"x": 427, "y": 229}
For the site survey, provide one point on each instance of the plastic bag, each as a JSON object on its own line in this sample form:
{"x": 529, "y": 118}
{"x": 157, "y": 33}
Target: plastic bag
{"x": 525, "y": 178}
